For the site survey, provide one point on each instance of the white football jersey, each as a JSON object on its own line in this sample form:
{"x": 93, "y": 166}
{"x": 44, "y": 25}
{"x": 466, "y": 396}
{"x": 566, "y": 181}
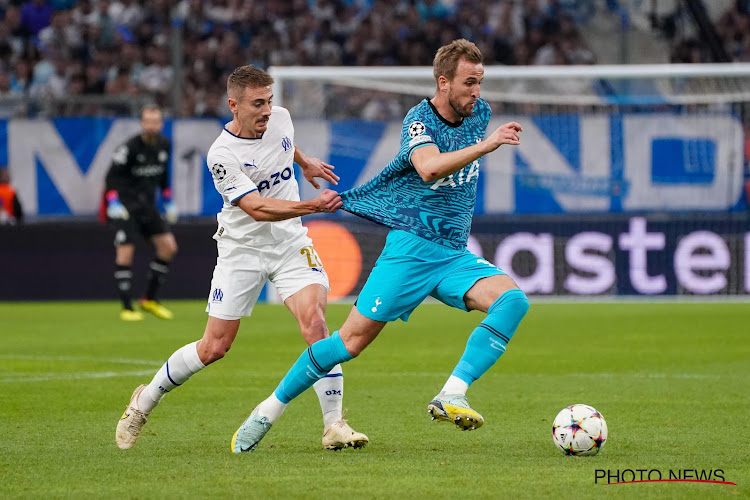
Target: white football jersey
{"x": 240, "y": 165}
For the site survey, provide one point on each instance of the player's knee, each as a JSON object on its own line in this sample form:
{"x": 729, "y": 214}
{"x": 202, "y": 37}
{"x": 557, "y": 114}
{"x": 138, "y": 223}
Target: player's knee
{"x": 216, "y": 350}
{"x": 514, "y": 305}
{"x": 168, "y": 251}
{"x": 520, "y": 305}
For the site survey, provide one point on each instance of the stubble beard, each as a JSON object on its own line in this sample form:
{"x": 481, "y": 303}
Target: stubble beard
{"x": 463, "y": 112}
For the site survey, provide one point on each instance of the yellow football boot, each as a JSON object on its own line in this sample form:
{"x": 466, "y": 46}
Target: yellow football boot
{"x": 156, "y": 309}
{"x": 130, "y": 315}
{"x": 455, "y": 408}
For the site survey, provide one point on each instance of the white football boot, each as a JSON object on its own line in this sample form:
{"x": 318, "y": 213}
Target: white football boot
{"x": 340, "y": 435}
{"x": 132, "y": 421}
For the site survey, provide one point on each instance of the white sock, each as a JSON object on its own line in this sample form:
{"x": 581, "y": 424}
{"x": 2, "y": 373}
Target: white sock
{"x": 179, "y": 367}
{"x": 455, "y": 385}
{"x": 271, "y": 408}
{"x": 330, "y": 391}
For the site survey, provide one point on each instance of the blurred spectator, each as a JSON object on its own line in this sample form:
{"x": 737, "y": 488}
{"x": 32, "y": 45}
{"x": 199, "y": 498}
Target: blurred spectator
{"x": 83, "y": 13}
{"x": 157, "y": 76}
{"x": 20, "y": 77}
{"x": 429, "y": 9}
{"x": 127, "y": 13}
{"x": 35, "y": 15}
{"x": 690, "y": 51}
{"x": 94, "y": 80}
{"x": 12, "y": 33}
{"x": 102, "y": 25}
{"x": 11, "y": 102}
{"x": 124, "y": 44}
{"x": 381, "y": 106}
{"x": 61, "y": 34}
{"x": 121, "y": 84}
{"x": 11, "y": 211}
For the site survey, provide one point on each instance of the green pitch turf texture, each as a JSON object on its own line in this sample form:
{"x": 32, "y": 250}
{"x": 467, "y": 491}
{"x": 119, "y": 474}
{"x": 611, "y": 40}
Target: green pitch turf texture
{"x": 672, "y": 380}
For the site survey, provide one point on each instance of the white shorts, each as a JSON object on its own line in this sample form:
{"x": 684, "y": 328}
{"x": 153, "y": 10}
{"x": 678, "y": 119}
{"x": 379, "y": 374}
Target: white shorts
{"x": 241, "y": 272}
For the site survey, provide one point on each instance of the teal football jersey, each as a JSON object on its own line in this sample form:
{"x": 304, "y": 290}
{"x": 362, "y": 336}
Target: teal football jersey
{"x": 441, "y": 210}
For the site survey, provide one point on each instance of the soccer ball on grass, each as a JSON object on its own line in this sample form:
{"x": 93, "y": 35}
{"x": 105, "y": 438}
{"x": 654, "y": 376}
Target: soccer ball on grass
{"x": 579, "y": 430}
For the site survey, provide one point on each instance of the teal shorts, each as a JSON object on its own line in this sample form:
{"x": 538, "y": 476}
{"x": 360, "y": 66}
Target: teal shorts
{"x": 410, "y": 268}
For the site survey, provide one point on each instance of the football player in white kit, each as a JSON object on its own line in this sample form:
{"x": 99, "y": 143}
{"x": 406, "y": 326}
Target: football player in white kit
{"x": 259, "y": 237}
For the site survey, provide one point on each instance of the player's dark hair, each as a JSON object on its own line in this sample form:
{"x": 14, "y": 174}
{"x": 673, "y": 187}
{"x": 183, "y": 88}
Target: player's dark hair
{"x": 247, "y": 77}
{"x": 447, "y": 58}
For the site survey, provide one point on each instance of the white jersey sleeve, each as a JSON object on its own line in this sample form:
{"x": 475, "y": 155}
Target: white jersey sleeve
{"x": 229, "y": 179}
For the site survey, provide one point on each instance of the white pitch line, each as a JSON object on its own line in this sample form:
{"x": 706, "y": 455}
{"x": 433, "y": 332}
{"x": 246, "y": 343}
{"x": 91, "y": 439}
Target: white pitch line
{"x": 47, "y": 377}
{"x": 76, "y": 376}
{"x": 75, "y": 359}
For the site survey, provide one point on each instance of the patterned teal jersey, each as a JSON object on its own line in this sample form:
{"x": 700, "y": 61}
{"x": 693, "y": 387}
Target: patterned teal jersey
{"x": 397, "y": 197}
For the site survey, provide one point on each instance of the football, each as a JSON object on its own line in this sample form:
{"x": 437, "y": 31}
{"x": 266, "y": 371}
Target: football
{"x": 579, "y": 430}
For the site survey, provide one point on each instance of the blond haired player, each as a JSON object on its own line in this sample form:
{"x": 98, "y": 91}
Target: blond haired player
{"x": 260, "y": 237}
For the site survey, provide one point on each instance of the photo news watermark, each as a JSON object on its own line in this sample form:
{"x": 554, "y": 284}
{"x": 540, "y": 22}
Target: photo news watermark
{"x": 629, "y": 476}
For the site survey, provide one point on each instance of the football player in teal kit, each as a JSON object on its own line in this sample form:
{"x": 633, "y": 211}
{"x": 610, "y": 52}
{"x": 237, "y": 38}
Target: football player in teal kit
{"x": 426, "y": 195}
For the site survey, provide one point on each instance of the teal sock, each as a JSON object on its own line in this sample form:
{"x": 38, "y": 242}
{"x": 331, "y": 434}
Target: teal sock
{"x": 312, "y": 365}
{"x": 488, "y": 341}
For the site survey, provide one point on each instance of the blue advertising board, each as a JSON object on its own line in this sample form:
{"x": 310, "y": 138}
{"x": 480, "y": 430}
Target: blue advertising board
{"x": 566, "y": 164}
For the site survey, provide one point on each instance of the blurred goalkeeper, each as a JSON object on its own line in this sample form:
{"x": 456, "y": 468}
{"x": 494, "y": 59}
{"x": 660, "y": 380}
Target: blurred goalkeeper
{"x": 139, "y": 168}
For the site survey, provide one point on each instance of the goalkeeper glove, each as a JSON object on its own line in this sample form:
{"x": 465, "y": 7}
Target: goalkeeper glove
{"x": 115, "y": 209}
{"x": 170, "y": 212}
{"x": 170, "y": 209}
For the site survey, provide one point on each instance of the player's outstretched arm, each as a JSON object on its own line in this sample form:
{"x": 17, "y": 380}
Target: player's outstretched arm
{"x": 272, "y": 210}
{"x": 313, "y": 167}
{"x": 432, "y": 165}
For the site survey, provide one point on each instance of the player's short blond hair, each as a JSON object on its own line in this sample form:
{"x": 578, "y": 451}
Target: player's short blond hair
{"x": 447, "y": 58}
{"x": 247, "y": 76}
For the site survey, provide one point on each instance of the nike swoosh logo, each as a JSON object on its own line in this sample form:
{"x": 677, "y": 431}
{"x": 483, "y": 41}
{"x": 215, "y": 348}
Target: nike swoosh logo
{"x": 249, "y": 448}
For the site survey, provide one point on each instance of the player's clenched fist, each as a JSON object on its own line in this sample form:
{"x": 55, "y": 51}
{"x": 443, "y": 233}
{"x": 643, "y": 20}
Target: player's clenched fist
{"x": 328, "y": 201}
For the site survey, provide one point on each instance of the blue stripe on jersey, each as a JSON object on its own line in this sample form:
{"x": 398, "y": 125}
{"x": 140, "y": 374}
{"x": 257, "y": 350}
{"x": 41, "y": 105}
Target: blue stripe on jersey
{"x": 240, "y": 196}
{"x": 397, "y": 197}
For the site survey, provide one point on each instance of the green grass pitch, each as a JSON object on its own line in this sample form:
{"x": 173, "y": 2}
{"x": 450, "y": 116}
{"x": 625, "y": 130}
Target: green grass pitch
{"x": 671, "y": 379}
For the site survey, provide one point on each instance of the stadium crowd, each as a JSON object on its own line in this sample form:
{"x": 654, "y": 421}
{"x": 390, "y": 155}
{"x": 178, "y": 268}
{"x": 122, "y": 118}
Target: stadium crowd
{"x": 58, "y": 48}
{"x": 61, "y": 48}
{"x": 733, "y": 31}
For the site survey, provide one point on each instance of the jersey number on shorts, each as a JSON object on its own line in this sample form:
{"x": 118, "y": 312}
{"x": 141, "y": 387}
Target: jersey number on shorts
{"x": 312, "y": 257}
